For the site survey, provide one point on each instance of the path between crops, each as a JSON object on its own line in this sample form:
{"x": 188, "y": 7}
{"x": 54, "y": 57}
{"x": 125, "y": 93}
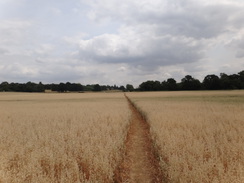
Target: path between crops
{"x": 140, "y": 163}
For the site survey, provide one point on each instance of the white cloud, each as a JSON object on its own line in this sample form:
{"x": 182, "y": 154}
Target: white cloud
{"x": 201, "y": 19}
{"x": 145, "y": 49}
{"x": 3, "y": 51}
{"x": 102, "y": 41}
{"x": 55, "y": 11}
{"x": 44, "y": 50}
{"x": 12, "y": 31}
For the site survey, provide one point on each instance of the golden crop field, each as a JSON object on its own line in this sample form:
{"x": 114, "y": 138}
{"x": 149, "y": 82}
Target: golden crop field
{"x": 199, "y": 135}
{"x": 61, "y": 138}
{"x": 83, "y": 137}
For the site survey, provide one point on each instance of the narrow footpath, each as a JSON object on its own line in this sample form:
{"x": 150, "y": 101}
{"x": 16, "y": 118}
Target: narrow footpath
{"x": 140, "y": 164}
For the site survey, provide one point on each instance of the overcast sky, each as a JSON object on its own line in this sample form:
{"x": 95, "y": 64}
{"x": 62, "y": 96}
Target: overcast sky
{"x": 119, "y": 42}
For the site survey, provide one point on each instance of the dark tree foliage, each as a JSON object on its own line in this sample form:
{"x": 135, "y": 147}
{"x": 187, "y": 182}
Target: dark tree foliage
{"x": 18, "y": 87}
{"x": 241, "y": 74}
{"x": 150, "y": 86}
{"x": 62, "y": 87}
{"x": 233, "y": 81}
{"x": 190, "y": 83}
{"x": 4, "y": 86}
{"x": 97, "y": 88}
{"x": 171, "y": 84}
{"x": 33, "y": 87}
{"x": 122, "y": 88}
{"x": 129, "y": 87}
{"x": 212, "y": 82}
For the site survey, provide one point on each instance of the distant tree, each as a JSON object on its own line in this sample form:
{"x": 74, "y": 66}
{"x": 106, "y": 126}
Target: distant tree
{"x": 225, "y": 81}
{"x": 146, "y": 86}
{"x": 157, "y": 86}
{"x": 164, "y": 85}
{"x": 109, "y": 87}
{"x": 30, "y": 87}
{"x": 115, "y": 87}
{"x": 79, "y": 87}
{"x": 16, "y": 87}
{"x": 4, "y": 86}
{"x": 68, "y": 86}
{"x": 235, "y": 81}
{"x": 212, "y": 82}
{"x": 122, "y": 88}
{"x": 190, "y": 83}
{"x": 97, "y": 88}
{"x": 54, "y": 87}
{"x": 150, "y": 86}
{"x": 129, "y": 87}
{"x": 241, "y": 75}
{"x": 230, "y": 81}
{"x": 171, "y": 84}
{"x": 103, "y": 87}
{"x": 62, "y": 87}
{"x": 89, "y": 88}
{"x": 40, "y": 87}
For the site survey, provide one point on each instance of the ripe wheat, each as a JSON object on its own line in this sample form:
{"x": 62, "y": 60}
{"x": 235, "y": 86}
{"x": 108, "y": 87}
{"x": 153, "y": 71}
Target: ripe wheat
{"x": 199, "y": 135}
{"x": 61, "y": 138}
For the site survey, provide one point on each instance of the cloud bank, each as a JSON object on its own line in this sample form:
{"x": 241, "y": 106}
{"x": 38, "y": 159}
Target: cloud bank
{"x": 102, "y": 41}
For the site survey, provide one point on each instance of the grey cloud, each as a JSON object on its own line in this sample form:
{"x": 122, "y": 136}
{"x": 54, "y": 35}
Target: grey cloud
{"x": 240, "y": 53}
{"x": 55, "y": 41}
{"x": 38, "y": 70}
{"x": 141, "y": 50}
{"x": 237, "y": 45}
{"x": 188, "y": 18}
{"x": 12, "y": 31}
{"x": 160, "y": 33}
{"x": 3, "y": 51}
{"x": 205, "y": 22}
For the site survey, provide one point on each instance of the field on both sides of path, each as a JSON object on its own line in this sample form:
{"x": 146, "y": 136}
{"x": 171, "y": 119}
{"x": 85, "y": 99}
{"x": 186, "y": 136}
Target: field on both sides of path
{"x": 61, "y": 137}
{"x": 199, "y": 135}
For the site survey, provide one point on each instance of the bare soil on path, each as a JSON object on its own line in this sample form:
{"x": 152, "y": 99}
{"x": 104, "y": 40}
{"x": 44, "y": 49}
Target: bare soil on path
{"x": 140, "y": 164}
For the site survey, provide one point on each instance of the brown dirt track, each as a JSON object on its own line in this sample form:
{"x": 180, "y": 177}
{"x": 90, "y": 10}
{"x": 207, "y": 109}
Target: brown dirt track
{"x": 140, "y": 163}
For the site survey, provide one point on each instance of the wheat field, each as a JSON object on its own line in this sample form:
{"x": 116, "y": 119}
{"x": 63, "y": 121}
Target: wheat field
{"x": 80, "y": 137}
{"x": 199, "y": 135}
{"x": 61, "y": 137}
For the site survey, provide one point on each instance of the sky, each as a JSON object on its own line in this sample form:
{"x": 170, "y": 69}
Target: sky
{"x": 119, "y": 42}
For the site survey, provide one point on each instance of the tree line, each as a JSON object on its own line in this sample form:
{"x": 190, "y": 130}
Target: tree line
{"x": 61, "y": 87}
{"x": 210, "y": 82}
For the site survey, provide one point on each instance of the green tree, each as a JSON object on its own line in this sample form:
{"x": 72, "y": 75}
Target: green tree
{"x": 40, "y": 87}
{"x": 122, "y": 88}
{"x": 129, "y": 87}
{"x": 4, "y": 86}
{"x": 171, "y": 84}
{"x": 62, "y": 87}
{"x": 190, "y": 83}
{"x": 241, "y": 74}
{"x": 235, "y": 81}
{"x": 97, "y": 88}
{"x": 212, "y": 82}
{"x": 150, "y": 86}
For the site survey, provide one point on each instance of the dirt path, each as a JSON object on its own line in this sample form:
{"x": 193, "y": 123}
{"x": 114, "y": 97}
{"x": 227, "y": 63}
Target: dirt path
{"x": 140, "y": 163}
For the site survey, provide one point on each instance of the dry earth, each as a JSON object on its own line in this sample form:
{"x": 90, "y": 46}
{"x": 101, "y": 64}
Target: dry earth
{"x": 140, "y": 163}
